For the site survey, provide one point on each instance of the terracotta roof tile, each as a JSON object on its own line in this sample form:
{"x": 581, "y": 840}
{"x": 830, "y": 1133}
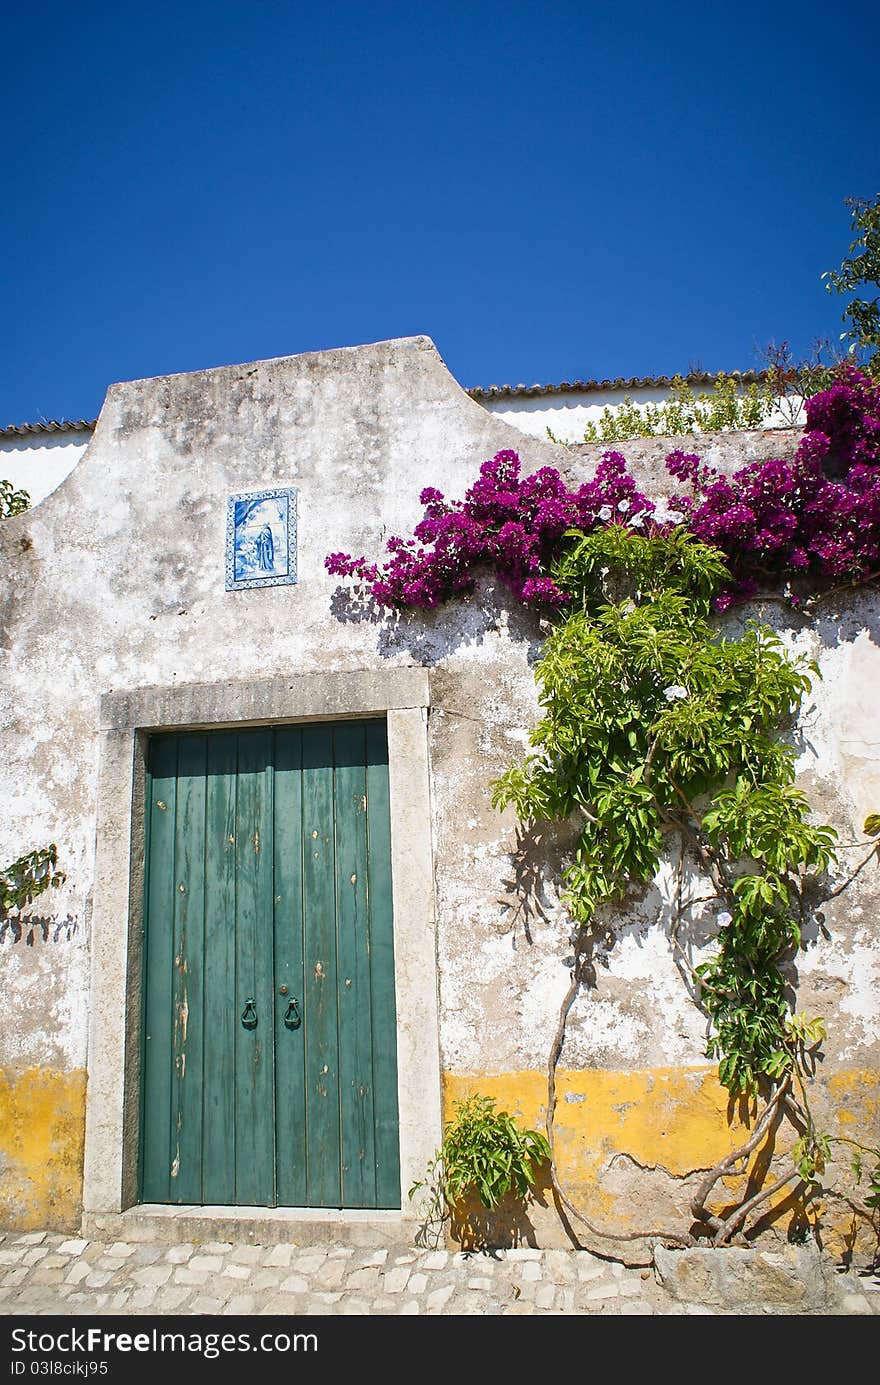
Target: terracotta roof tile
{"x": 49, "y": 425}
{"x": 635, "y": 382}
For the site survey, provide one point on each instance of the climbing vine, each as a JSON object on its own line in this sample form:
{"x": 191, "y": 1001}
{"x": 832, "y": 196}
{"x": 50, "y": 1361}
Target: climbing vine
{"x": 27, "y": 878}
{"x": 663, "y": 732}
{"x": 12, "y": 502}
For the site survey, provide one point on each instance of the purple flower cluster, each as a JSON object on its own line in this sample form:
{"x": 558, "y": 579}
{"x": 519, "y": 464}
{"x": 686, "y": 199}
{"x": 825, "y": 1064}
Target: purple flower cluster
{"x": 509, "y": 524}
{"x": 817, "y": 516}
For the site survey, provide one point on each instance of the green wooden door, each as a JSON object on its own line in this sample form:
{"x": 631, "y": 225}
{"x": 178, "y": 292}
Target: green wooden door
{"x": 269, "y": 1072}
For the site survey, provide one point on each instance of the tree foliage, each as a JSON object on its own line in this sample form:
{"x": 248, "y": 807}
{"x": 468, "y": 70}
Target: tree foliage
{"x": 655, "y": 723}
{"x": 860, "y": 270}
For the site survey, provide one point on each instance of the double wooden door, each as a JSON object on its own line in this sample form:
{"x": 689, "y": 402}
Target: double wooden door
{"x": 269, "y": 1068}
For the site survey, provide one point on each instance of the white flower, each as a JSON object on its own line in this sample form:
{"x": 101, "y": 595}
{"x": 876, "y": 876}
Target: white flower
{"x": 674, "y": 692}
{"x": 724, "y": 918}
{"x": 605, "y": 512}
{"x": 623, "y": 506}
{"x": 637, "y": 521}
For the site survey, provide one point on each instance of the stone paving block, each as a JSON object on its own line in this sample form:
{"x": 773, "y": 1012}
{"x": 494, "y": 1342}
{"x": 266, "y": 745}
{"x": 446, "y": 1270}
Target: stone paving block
{"x": 411, "y": 1308}
{"x": 172, "y": 1296}
{"x": 211, "y": 1264}
{"x": 123, "y": 1249}
{"x": 372, "y": 1257}
{"x": 546, "y": 1296}
{"x": 151, "y": 1276}
{"x": 10, "y": 1257}
{"x": 354, "y": 1307}
{"x": 560, "y": 1267}
{"x": 29, "y": 1238}
{"x": 438, "y": 1298}
{"x": 531, "y": 1270}
{"x": 54, "y": 1261}
{"x": 386, "y": 1305}
{"x": 14, "y": 1277}
{"x": 147, "y": 1254}
{"x": 143, "y": 1298}
{"x": 308, "y": 1263}
{"x": 183, "y": 1274}
{"x": 630, "y": 1288}
{"x": 522, "y": 1253}
{"x": 206, "y": 1304}
{"x": 418, "y": 1283}
{"x": 217, "y": 1247}
{"x": 266, "y": 1279}
{"x": 279, "y": 1305}
{"x": 73, "y": 1247}
{"x": 246, "y": 1255}
{"x": 98, "y": 1278}
{"x": 237, "y": 1272}
{"x": 331, "y": 1274}
{"x": 279, "y": 1256}
{"x": 240, "y": 1303}
{"x": 365, "y": 1278}
{"x": 341, "y": 1253}
{"x": 589, "y": 1271}
{"x": 327, "y": 1297}
{"x": 435, "y": 1260}
{"x": 294, "y": 1284}
{"x": 77, "y": 1272}
{"x": 480, "y": 1283}
{"x": 395, "y": 1280}
{"x": 407, "y": 1258}
{"x": 178, "y": 1255}
{"x": 635, "y": 1307}
{"x": 602, "y": 1291}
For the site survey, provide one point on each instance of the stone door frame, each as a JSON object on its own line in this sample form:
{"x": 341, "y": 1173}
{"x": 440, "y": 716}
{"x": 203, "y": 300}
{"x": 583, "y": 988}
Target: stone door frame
{"x": 127, "y": 720}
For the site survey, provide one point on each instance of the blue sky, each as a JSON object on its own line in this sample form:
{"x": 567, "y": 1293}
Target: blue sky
{"x": 549, "y": 191}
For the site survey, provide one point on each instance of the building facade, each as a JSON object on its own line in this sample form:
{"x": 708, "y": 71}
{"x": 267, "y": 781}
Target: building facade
{"x": 293, "y": 930}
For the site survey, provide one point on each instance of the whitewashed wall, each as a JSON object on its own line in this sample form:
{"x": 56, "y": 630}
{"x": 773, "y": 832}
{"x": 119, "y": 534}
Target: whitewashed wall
{"x": 39, "y": 462}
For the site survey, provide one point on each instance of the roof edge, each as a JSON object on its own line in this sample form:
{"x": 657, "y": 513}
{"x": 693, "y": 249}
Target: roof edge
{"x": 49, "y": 425}
{"x": 635, "y": 382}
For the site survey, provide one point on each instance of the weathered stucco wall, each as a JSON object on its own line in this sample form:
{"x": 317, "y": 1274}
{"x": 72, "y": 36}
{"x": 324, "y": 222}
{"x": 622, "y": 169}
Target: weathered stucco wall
{"x": 38, "y": 462}
{"x": 116, "y": 584}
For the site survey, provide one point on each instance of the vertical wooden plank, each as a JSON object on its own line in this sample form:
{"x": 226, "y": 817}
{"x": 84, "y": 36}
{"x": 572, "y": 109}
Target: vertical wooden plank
{"x": 290, "y": 1037}
{"x": 254, "y": 1069}
{"x": 188, "y": 971}
{"x": 382, "y": 969}
{"x": 148, "y": 799}
{"x": 221, "y": 1016}
{"x": 319, "y": 923}
{"x": 159, "y": 951}
{"x": 358, "y": 1153}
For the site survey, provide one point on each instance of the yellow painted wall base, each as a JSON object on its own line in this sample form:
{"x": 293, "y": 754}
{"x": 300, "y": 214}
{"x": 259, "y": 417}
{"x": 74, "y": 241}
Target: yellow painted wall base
{"x": 631, "y": 1146}
{"x": 42, "y": 1131}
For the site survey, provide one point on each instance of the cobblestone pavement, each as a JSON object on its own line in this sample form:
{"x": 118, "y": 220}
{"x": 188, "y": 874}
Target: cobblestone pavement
{"x": 50, "y": 1273}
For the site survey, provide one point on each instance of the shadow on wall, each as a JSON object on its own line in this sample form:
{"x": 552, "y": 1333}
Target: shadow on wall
{"x": 38, "y": 927}
{"x": 431, "y": 636}
{"x": 505, "y": 1227}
